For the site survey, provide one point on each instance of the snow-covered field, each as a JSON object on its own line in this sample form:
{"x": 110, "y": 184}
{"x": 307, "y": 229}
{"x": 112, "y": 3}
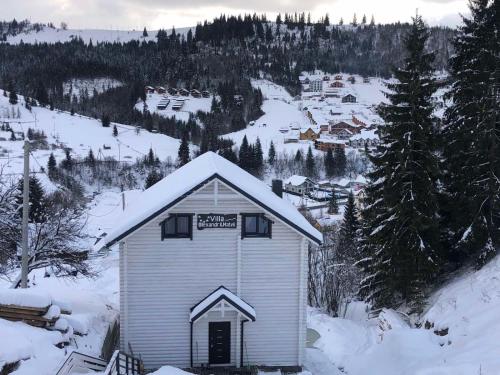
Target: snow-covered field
{"x": 466, "y": 311}
{"x": 191, "y": 105}
{"x": 51, "y": 35}
{"x": 78, "y": 86}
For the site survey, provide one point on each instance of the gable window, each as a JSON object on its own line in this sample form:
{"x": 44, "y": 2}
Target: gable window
{"x": 177, "y": 226}
{"x": 255, "y": 225}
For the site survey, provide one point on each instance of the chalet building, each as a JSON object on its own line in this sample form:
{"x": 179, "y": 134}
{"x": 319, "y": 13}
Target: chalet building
{"x": 160, "y": 90}
{"x": 195, "y": 93}
{"x": 213, "y": 271}
{"x": 326, "y": 78}
{"x": 309, "y": 135}
{"x": 325, "y": 144}
{"x": 184, "y": 92}
{"x": 337, "y": 127}
{"x": 205, "y": 94}
{"x": 344, "y": 134}
{"x": 352, "y": 79}
{"x": 291, "y": 137}
{"x": 149, "y": 89}
{"x": 337, "y": 84}
{"x": 338, "y": 77}
{"x": 316, "y": 85}
{"x": 332, "y": 93}
{"x": 349, "y": 98}
{"x": 173, "y": 91}
{"x": 324, "y": 128}
{"x": 357, "y": 121}
{"x": 298, "y": 185}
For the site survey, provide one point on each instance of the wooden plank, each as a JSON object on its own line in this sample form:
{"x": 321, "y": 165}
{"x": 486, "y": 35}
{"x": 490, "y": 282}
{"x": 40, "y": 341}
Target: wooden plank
{"x": 33, "y": 323}
{"x": 41, "y": 310}
{"x": 20, "y": 316}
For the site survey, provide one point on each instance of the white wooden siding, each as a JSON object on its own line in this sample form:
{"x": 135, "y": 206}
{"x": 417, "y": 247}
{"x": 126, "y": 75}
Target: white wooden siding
{"x": 164, "y": 279}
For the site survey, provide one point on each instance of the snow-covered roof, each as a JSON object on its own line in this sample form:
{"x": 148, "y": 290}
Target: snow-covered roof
{"x": 365, "y": 134}
{"x": 219, "y": 295}
{"x": 296, "y": 180}
{"x": 193, "y": 176}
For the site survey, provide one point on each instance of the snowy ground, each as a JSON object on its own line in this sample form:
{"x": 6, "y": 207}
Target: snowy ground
{"x": 50, "y": 35}
{"x": 191, "y": 105}
{"x": 468, "y": 307}
{"x": 78, "y": 86}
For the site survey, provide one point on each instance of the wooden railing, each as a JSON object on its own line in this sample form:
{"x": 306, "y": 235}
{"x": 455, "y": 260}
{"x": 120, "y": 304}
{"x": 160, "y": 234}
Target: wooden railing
{"x": 120, "y": 364}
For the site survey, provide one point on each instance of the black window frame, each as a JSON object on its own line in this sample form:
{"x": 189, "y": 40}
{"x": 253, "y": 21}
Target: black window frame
{"x": 256, "y": 234}
{"x": 163, "y": 224}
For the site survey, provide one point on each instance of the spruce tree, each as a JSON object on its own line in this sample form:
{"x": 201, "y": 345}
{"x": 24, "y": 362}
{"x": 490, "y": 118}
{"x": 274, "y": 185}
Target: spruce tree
{"x": 153, "y": 177}
{"x": 150, "y": 158}
{"x": 471, "y": 200}
{"x": 245, "y": 155}
{"x": 310, "y": 163}
{"x": 183, "y": 154}
{"x": 401, "y": 244}
{"x": 349, "y": 229}
{"x": 106, "y": 121}
{"x": 333, "y": 205}
{"x": 90, "y": 159}
{"x": 329, "y": 164}
{"x": 340, "y": 162}
{"x": 67, "y": 163}
{"x": 37, "y": 213}
{"x": 115, "y": 131}
{"x": 52, "y": 167}
{"x": 145, "y": 33}
{"x": 298, "y": 157}
{"x": 271, "y": 155}
{"x": 258, "y": 157}
{"x": 12, "y": 94}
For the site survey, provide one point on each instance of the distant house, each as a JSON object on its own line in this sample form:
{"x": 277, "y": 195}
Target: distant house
{"x": 316, "y": 85}
{"x": 213, "y": 272}
{"x": 338, "y": 77}
{"x": 349, "y": 98}
{"x": 352, "y": 80}
{"x": 325, "y": 144}
{"x": 366, "y": 138}
{"x": 298, "y": 185}
{"x": 337, "y": 84}
{"x": 357, "y": 121}
{"x": 344, "y": 134}
{"x": 184, "y": 92}
{"x": 309, "y": 135}
{"x": 149, "y": 89}
{"x": 162, "y": 104}
{"x": 205, "y": 94}
{"x": 291, "y": 137}
{"x": 195, "y": 93}
{"x": 160, "y": 90}
{"x": 173, "y": 91}
{"x": 332, "y": 92}
{"x": 326, "y": 78}
{"x": 366, "y": 80}
{"x": 336, "y": 127}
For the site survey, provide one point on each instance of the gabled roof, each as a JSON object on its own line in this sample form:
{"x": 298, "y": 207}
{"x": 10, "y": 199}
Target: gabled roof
{"x": 218, "y": 295}
{"x": 296, "y": 180}
{"x": 193, "y": 176}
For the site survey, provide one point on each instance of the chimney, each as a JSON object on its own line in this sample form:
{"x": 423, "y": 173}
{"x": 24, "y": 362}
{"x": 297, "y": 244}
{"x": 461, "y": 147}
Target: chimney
{"x": 278, "y": 188}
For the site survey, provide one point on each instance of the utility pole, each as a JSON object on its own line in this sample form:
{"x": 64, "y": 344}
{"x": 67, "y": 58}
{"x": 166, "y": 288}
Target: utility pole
{"x": 26, "y": 212}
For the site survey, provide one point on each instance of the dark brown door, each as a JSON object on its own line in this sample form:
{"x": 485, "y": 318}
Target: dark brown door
{"x": 219, "y": 342}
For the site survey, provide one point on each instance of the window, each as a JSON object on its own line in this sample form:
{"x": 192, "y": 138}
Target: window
{"x": 177, "y": 226}
{"x": 255, "y": 225}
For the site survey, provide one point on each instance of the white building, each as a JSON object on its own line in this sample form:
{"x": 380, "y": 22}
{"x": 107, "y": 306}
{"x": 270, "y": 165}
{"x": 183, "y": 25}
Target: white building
{"x": 298, "y": 185}
{"x": 316, "y": 85}
{"x": 213, "y": 271}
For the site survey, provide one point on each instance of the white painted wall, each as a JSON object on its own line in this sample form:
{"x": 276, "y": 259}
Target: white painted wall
{"x": 161, "y": 280}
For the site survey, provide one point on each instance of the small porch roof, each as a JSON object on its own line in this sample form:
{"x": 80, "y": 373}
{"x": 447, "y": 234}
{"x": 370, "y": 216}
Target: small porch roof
{"x": 221, "y": 294}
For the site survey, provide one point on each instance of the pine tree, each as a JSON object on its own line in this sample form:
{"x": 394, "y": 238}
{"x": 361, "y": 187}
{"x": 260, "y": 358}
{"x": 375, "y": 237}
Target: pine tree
{"x": 298, "y": 157}
{"x": 183, "y": 154}
{"x": 12, "y": 94}
{"x": 245, "y": 155}
{"x": 67, "y": 163}
{"x": 115, "y": 131}
{"x": 258, "y": 157}
{"x": 36, "y": 198}
{"x": 52, "y": 167}
{"x": 401, "y": 247}
{"x": 145, "y": 33}
{"x": 153, "y": 177}
{"x": 329, "y": 164}
{"x": 354, "y": 20}
{"x": 363, "y": 20}
{"x": 333, "y": 206}
{"x": 106, "y": 121}
{"x": 90, "y": 159}
{"x": 271, "y": 155}
{"x": 150, "y": 158}
{"x": 310, "y": 163}
{"x": 471, "y": 204}
{"x": 349, "y": 229}
{"x": 340, "y": 162}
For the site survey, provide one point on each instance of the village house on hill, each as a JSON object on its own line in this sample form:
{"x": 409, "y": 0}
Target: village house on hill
{"x": 213, "y": 271}
{"x": 298, "y": 185}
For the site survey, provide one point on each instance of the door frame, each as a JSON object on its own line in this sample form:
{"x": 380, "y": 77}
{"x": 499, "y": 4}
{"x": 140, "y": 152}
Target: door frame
{"x": 211, "y": 328}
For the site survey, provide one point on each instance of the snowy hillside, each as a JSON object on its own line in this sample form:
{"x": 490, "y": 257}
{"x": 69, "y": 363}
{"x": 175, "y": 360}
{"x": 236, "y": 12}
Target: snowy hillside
{"x": 461, "y": 339}
{"x": 54, "y": 35}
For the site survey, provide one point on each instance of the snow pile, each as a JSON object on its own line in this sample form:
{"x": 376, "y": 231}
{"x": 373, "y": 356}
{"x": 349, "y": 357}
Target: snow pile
{"x": 462, "y": 339}
{"x": 169, "y": 370}
{"x": 24, "y": 298}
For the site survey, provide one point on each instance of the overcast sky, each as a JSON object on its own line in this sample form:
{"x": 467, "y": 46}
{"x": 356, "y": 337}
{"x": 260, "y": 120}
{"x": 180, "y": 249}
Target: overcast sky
{"x": 154, "y": 14}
